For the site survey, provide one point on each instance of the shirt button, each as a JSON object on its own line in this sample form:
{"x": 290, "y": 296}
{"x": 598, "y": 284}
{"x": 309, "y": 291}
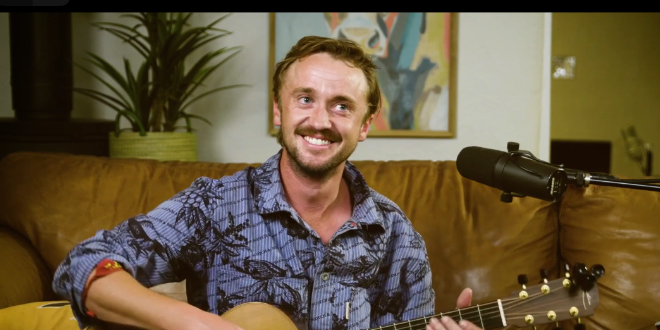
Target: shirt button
{"x": 325, "y": 276}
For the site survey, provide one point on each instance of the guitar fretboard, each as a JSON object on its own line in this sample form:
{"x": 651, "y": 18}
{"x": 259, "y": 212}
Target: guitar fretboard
{"x": 486, "y": 316}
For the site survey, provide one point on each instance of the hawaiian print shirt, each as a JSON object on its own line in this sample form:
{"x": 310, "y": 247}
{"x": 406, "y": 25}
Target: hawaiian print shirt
{"x": 236, "y": 239}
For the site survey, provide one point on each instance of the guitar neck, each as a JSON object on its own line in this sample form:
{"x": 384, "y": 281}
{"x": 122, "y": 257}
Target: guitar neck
{"x": 486, "y": 316}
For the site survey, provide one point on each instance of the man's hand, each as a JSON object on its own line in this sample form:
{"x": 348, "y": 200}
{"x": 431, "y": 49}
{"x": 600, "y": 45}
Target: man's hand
{"x": 446, "y": 323}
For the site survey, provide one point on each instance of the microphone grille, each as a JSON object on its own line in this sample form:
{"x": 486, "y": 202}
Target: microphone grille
{"x": 478, "y": 164}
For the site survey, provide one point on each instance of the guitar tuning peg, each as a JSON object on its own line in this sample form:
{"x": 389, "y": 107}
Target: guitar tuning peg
{"x": 598, "y": 270}
{"x": 567, "y": 270}
{"x": 579, "y": 325}
{"x": 557, "y": 327}
{"x": 579, "y": 269}
{"x": 544, "y": 275}
{"x": 582, "y": 276}
{"x": 522, "y": 280}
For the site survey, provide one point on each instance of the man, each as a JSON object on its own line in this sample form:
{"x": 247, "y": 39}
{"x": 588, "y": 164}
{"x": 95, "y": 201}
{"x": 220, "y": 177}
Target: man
{"x": 302, "y": 232}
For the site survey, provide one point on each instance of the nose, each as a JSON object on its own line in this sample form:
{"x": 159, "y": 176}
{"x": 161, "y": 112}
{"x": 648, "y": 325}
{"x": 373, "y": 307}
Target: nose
{"x": 319, "y": 119}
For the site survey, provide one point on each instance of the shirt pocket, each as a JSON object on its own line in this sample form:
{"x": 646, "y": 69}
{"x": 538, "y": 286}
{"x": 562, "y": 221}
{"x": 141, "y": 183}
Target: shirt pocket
{"x": 289, "y": 294}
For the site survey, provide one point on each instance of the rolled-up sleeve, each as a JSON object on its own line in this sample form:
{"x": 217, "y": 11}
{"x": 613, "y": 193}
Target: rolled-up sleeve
{"x": 154, "y": 247}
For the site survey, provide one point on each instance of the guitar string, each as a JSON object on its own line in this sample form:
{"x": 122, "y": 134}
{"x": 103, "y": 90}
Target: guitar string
{"x": 510, "y": 302}
{"x": 488, "y": 324}
{"x": 476, "y": 319}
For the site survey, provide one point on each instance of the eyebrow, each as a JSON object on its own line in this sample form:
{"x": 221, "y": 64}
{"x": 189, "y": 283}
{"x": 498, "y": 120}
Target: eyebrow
{"x": 338, "y": 98}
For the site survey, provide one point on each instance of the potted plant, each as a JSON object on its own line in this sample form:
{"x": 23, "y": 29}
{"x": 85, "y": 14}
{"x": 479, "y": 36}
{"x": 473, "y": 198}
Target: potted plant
{"x": 156, "y": 98}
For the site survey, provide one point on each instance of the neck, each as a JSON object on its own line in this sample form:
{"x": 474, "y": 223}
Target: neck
{"x": 311, "y": 194}
{"x": 486, "y": 316}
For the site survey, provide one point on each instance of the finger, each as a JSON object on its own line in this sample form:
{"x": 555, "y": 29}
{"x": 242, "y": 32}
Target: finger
{"x": 464, "y": 299}
{"x": 449, "y": 323}
{"x": 434, "y": 324}
{"x": 467, "y": 325}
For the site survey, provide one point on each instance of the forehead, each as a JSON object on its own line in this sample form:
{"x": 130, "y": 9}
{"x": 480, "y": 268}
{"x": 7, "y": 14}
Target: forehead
{"x": 322, "y": 72}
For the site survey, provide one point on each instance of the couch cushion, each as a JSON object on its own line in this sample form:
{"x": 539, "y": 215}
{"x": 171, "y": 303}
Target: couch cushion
{"x": 473, "y": 239}
{"x": 46, "y": 315}
{"x": 618, "y": 228}
{"x": 58, "y": 200}
{"x": 24, "y": 277}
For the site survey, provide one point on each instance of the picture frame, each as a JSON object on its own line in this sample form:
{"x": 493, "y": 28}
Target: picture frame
{"x": 416, "y": 54}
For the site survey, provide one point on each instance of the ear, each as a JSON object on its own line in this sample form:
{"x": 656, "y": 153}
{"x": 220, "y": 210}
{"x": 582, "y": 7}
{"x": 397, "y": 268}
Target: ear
{"x": 277, "y": 115}
{"x": 364, "y": 130}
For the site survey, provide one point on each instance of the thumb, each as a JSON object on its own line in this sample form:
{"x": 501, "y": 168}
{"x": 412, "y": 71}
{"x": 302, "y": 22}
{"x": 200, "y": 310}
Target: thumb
{"x": 464, "y": 299}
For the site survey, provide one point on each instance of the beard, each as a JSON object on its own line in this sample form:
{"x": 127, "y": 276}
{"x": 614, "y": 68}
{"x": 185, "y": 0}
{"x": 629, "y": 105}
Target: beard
{"x": 321, "y": 170}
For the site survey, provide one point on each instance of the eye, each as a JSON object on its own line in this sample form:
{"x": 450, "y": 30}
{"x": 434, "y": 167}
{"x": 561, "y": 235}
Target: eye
{"x": 342, "y": 107}
{"x": 306, "y": 100}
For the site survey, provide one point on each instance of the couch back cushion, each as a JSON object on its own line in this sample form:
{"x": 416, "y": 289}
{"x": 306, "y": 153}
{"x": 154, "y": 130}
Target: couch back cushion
{"x": 473, "y": 239}
{"x": 618, "y": 228}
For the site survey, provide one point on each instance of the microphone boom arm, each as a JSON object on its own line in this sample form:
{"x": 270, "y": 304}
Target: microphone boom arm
{"x": 583, "y": 179}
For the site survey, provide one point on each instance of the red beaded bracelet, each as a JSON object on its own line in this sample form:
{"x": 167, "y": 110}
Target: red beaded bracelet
{"x": 105, "y": 267}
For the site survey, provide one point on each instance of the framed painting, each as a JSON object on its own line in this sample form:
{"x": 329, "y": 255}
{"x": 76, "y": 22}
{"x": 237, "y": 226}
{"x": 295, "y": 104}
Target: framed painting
{"x": 415, "y": 54}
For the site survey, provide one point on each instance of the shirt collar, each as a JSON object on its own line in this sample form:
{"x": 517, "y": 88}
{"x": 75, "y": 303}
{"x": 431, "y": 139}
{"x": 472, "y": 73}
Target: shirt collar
{"x": 269, "y": 196}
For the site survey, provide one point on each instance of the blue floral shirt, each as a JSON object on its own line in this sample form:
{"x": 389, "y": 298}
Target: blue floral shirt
{"x": 236, "y": 239}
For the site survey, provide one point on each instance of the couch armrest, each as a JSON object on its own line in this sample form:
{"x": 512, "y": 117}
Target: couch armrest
{"x": 24, "y": 277}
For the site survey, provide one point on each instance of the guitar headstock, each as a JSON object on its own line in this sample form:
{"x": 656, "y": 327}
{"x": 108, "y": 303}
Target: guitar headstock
{"x": 571, "y": 297}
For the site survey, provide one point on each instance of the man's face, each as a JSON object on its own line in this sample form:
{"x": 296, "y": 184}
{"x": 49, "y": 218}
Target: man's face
{"x": 324, "y": 102}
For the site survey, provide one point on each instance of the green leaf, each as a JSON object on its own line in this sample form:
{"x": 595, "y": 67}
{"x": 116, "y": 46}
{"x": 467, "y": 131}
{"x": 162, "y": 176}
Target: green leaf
{"x": 126, "y": 103}
{"x": 215, "y": 90}
{"x": 188, "y": 125}
{"x": 187, "y": 115}
{"x": 119, "y": 104}
{"x": 218, "y": 20}
{"x": 131, "y": 39}
{"x": 137, "y": 17}
{"x": 144, "y": 100}
{"x": 93, "y": 94}
{"x": 111, "y": 71}
{"x": 198, "y": 80}
{"x": 134, "y": 119}
{"x": 128, "y": 114}
{"x": 132, "y": 85}
{"x": 117, "y": 119}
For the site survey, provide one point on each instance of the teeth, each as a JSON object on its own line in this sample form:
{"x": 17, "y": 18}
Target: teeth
{"x": 315, "y": 141}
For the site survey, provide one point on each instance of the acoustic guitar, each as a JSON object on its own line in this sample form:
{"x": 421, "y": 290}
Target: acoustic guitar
{"x": 572, "y": 297}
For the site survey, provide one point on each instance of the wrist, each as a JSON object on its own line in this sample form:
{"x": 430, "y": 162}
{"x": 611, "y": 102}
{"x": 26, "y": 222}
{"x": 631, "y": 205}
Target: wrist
{"x": 181, "y": 316}
{"x": 103, "y": 268}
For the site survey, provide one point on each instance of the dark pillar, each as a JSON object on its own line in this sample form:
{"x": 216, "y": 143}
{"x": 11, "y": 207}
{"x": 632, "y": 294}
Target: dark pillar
{"x": 42, "y": 91}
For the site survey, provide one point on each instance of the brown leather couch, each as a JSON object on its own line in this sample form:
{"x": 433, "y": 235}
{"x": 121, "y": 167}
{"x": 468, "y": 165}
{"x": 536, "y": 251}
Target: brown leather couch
{"x": 50, "y": 202}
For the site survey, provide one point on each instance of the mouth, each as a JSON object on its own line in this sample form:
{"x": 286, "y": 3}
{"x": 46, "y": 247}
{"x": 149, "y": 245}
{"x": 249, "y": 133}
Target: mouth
{"x": 320, "y": 142}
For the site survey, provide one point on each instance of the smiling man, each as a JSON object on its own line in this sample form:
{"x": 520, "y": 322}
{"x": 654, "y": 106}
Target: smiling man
{"x": 302, "y": 232}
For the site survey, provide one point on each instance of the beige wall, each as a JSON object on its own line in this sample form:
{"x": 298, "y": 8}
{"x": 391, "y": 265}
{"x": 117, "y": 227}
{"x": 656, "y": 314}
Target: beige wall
{"x": 617, "y": 81}
{"x": 500, "y": 84}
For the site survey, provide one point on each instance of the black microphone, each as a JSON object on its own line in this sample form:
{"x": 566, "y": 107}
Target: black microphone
{"x": 516, "y": 173}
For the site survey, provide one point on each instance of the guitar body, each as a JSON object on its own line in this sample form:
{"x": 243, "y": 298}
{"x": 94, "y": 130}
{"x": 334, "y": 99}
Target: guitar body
{"x": 261, "y": 316}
